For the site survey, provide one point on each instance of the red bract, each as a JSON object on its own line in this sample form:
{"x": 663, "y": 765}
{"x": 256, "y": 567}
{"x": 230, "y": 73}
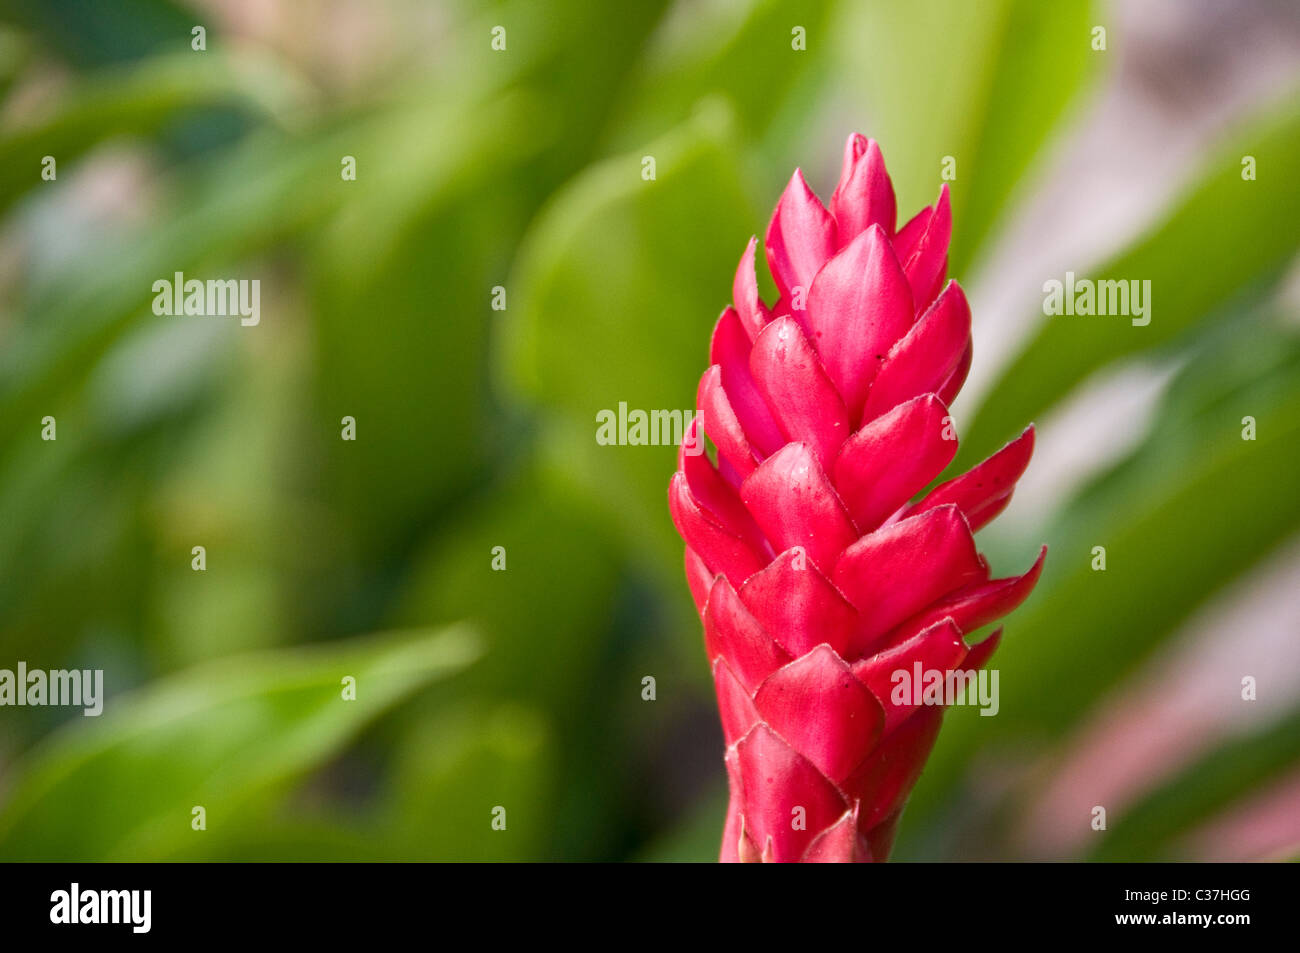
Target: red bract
{"x": 816, "y": 574}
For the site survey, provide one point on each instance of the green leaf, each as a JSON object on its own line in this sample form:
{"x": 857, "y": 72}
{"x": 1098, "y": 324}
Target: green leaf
{"x": 1227, "y": 233}
{"x": 401, "y": 285}
{"x": 87, "y": 33}
{"x": 1189, "y": 511}
{"x": 611, "y": 283}
{"x": 742, "y": 51}
{"x": 544, "y": 610}
{"x": 1151, "y": 829}
{"x": 983, "y": 83}
{"x": 454, "y": 774}
{"x": 257, "y": 194}
{"x": 1198, "y": 507}
{"x": 137, "y": 100}
{"x": 222, "y": 735}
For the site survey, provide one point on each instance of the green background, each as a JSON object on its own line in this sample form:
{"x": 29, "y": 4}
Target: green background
{"x": 522, "y": 169}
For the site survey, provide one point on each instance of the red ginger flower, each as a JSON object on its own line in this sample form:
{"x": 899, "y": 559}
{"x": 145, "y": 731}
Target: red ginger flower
{"x": 815, "y": 574}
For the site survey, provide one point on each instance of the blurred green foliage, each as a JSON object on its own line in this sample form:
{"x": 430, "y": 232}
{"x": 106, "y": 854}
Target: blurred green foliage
{"x": 523, "y": 169}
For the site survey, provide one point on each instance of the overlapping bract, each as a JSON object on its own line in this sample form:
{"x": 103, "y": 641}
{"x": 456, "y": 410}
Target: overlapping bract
{"x": 816, "y": 573}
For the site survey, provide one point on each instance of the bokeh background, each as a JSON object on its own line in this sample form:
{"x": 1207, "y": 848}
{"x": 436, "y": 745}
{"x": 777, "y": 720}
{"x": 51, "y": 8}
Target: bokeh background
{"x": 476, "y": 428}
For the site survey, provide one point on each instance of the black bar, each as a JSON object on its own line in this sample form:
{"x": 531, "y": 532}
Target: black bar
{"x": 330, "y": 902}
